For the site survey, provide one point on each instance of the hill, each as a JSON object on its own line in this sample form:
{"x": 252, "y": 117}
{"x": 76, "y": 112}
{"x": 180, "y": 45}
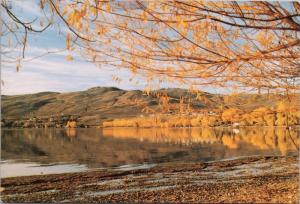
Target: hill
{"x": 98, "y": 104}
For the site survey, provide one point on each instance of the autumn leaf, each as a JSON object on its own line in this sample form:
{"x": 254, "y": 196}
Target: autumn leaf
{"x": 69, "y": 58}
{"x": 68, "y": 41}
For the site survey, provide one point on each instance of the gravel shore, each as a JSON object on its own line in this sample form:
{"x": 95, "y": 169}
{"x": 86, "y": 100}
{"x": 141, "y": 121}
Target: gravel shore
{"x": 251, "y": 180}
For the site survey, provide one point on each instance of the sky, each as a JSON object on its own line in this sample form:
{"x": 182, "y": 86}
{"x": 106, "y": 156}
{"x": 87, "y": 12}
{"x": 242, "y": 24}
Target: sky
{"x": 53, "y": 72}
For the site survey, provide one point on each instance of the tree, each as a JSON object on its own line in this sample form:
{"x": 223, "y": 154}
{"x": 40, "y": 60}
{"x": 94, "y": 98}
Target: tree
{"x": 242, "y": 45}
{"x": 232, "y": 115}
{"x": 259, "y": 115}
{"x": 287, "y": 112}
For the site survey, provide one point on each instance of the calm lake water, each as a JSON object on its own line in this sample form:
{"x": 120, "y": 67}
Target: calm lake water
{"x": 44, "y": 151}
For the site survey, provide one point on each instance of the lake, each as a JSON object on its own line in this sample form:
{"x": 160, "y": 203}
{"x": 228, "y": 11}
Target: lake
{"x": 45, "y": 151}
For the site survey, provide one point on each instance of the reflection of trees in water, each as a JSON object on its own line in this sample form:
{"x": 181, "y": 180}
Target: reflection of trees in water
{"x": 262, "y": 138}
{"x": 71, "y": 132}
{"x": 118, "y": 146}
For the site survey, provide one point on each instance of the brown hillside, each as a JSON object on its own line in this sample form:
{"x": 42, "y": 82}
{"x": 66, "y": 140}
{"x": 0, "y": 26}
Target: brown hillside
{"x": 98, "y": 104}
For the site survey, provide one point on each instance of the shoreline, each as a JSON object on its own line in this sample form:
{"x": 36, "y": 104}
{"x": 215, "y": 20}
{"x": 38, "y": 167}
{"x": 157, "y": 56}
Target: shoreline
{"x": 250, "y": 179}
{"x": 187, "y": 127}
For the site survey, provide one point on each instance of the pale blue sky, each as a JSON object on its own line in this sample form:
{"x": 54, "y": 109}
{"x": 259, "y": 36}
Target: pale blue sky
{"x": 52, "y": 72}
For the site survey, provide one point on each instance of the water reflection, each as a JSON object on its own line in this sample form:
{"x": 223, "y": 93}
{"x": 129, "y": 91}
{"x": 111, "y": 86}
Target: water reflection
{"x": 277, "y": 139}
{"x": 71, "y": 132}
{"x": 120, "y": 146}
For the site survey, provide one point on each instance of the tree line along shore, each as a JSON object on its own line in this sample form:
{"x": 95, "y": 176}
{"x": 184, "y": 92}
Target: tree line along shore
{"x": 229, "y": 117}
{"x": 281, "y": 115}
{"x": 68, "y": 121}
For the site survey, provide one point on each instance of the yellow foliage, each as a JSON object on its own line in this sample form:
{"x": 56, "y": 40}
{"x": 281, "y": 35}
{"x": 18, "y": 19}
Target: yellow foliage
{"x": 232, "y": 115}
{"x": 270, "y": 119}
{"x": 261, "y": 117}
{"x": 282, "y": 106}
{"x": 71, "y": 124}
{"x": 265, "y": 38}
{"x": 196, "y": 122}
{"x": 69, "y": 58}
{"x": 68, "y": 41}
{"x": 260, "y": 112}
{"x": 209, "y": 121}
{"x": 281, "y": 119}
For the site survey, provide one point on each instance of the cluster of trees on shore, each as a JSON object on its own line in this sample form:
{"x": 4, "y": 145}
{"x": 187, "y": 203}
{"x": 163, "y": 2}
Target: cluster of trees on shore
{"x": 281, "y": 116}
{"x": 45, "y": 122}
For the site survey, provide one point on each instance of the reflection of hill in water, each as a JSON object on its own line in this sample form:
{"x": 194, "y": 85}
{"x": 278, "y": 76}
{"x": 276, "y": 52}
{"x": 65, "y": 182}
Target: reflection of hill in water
{"x": 118, "y": 146}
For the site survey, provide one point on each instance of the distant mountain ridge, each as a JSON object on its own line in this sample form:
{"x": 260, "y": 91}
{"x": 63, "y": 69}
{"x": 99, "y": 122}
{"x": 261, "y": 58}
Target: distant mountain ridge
{"x": 98, "y": 104}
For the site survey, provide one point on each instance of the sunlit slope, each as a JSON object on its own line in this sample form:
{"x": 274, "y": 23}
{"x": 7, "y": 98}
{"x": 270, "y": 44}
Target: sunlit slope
{"x": 102, "y": 103}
